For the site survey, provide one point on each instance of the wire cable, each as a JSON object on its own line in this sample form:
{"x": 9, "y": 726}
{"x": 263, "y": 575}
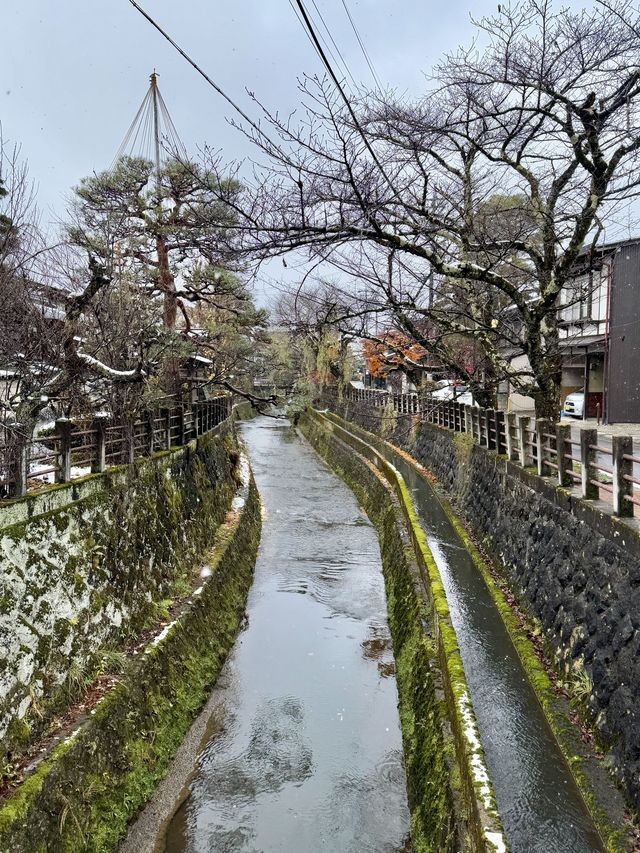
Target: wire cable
{"x": 361, "y": 43}
{"x": 336, "y": 82}
{"x": 211, "y": 82}
{"x": 328, "y": 31}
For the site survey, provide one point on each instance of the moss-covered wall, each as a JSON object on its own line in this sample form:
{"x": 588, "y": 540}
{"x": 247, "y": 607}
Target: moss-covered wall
{"x": 82, "y": 796}
{"x": 448, "y": 810}
{"x": 574, "y": 566}
{"x": 84, "y": 564}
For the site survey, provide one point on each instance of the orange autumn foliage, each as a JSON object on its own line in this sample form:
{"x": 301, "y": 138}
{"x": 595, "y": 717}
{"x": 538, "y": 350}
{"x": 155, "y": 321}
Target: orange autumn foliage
{"x": 397, "y": 347}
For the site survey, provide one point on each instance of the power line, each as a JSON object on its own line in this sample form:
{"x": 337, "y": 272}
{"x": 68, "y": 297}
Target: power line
{"x": 306, "y": 32}
{"x": 342, "y": 59}
{"x": 361, "y": 43}
{"x": 336, "y": 82}
{"x": 241, "y": 112}
{"x": 213, "y": 84}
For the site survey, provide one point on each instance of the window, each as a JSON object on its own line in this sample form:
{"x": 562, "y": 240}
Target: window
{"x": 579, "y": 296}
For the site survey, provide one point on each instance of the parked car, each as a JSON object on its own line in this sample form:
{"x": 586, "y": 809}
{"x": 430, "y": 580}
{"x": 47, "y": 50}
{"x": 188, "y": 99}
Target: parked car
{"x": 448, "y": 390}
{"x": 574, "y": 404}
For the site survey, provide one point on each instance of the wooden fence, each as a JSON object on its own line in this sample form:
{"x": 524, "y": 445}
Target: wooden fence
{"x": 588, "y": 463}
{"x": 80, "y": 446}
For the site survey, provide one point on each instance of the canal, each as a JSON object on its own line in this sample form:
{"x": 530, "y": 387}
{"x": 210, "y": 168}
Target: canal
{"x": 539, "y": 803}
{"x": 304, "y": 749}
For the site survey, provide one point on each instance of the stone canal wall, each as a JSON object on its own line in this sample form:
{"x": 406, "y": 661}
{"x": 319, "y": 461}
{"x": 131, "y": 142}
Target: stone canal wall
{"x": 87, "y": 564}
{"x": 576, "y": 567}
{"x": 450, "y": 796}
{"x": 81, "y": 796}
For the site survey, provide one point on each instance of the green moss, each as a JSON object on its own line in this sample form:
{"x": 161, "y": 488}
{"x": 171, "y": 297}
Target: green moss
{"x": 19, "y": 731}
{"x": 136, "y": 533}
{"x": 615, "y": 838}
{"x": 464, "y": 445}
{"x": 442, "y": 791}
{"x": 82, "y": 797}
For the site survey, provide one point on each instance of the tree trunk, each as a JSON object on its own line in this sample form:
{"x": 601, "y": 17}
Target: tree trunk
{"x": 167, "y": 284}
{"x": 546, "y": 364}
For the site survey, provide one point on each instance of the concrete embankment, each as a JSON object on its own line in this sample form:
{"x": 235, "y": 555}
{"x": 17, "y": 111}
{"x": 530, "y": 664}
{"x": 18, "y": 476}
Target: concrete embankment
{"x": 573, "y": 565}
{"x": 450, "y": 793}
{"x": 552, "y": 791}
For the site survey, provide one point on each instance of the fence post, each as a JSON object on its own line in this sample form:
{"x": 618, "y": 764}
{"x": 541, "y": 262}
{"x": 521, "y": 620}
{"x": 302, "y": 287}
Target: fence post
{"x": 587, "y": 458}
{"x": 486, "y": 420}
{"x": 165, "y": 414}
{"x": 523, "y": 428}
{"x": 509, "y": 425}
{"x": 497, "y": 420}
{"x": 622, "y": 445}
{"x": 150, "y": 425}
{"x": 100, "y": 460}
{"x": 130, "y": 438}
{"x": 182, "y": 425}
{"x": 542, "y": 426}
{"x": 563, "y": 436}
{"x": 64, "y": 428}
{"x": 21, "y": 460}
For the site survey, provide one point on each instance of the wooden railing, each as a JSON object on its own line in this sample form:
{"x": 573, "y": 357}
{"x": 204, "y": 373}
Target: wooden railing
{"x": 586, "y": 463}
{"x": 80, "y": 446}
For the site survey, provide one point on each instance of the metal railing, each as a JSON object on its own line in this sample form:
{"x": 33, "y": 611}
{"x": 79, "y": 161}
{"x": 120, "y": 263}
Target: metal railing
{"x": 598, "y": 471}
{"x": 79, "y": 446}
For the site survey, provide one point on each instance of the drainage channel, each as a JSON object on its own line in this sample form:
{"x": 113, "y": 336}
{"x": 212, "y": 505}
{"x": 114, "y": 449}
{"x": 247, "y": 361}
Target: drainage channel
{"x": 304, "y": 750}
{"x": 539, "y": 803}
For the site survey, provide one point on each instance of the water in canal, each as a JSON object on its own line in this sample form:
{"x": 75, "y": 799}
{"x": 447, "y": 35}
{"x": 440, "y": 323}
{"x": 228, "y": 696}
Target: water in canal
{"x": 537, "y": 799}
{"x": 305, "y": 750}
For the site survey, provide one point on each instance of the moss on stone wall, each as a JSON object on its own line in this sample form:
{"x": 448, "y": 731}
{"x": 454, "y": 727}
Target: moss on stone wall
{"x": 81, "y": 798}
{"x": 89, "y": 572}
{"x": 603, "y": 801}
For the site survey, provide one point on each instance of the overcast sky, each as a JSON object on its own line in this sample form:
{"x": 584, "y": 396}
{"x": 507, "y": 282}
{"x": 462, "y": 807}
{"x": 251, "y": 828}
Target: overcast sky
{"x": 73, "y": 72}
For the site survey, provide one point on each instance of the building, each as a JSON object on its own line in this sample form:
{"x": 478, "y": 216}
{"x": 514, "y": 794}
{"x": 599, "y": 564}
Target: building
{"x": 599, "y": 319}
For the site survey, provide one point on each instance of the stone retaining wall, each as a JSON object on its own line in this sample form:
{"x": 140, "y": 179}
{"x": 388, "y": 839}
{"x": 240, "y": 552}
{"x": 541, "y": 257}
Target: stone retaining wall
{"x": 81, "y": 797}
{"x": 576, "y": 567}
{"x": 84, "y": 565}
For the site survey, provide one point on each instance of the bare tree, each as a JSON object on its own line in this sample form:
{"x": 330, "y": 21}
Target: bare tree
{"x": 30, "y": 332}
{"x": 546, "y": 113}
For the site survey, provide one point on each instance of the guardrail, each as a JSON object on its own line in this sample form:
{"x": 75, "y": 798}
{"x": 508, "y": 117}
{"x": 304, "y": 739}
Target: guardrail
{"x": 80, "y": 446}
{"x": 598, "y": 471}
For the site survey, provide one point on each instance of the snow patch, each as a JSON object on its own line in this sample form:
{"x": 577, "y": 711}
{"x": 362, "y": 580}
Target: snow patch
{"x": 160, "y": 637}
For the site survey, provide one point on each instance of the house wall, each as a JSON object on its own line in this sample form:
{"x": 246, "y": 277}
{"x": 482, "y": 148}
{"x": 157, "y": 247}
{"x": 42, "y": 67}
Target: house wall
{"x": 624, "y": 336}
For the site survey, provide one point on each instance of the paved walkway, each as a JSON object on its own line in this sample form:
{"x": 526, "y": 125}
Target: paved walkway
{"x": 605, "y": 429}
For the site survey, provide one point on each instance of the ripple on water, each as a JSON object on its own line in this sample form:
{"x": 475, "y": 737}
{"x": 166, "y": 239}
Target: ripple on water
{"x": 308, "y": 758}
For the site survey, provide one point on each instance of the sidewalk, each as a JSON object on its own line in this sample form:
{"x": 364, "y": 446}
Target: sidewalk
{"x": 591, "y": 423}
{"x": 605, "y": 429}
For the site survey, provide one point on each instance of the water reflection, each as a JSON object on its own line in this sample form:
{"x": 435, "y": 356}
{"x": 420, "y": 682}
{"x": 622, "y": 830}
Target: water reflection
{"x": 305, "y": 752}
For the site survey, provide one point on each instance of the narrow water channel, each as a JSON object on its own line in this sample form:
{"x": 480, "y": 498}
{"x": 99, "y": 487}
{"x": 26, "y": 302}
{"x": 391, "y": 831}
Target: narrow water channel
{"x": 538, "y": 801}
{"x": 305, "y": 750}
